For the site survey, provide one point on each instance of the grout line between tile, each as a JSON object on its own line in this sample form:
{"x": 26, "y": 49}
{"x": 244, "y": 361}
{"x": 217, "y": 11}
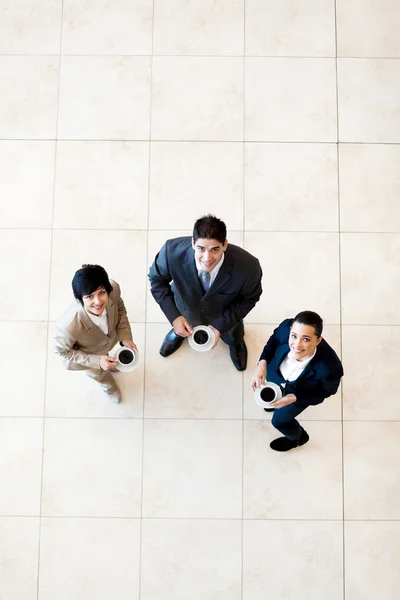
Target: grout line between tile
{"x": 48, "y": 304}
{"x": 340, "y": 297}
{"x": 145, "y": 301}
{"x": 203, "y": 141}
{"x": 282, "y": 520}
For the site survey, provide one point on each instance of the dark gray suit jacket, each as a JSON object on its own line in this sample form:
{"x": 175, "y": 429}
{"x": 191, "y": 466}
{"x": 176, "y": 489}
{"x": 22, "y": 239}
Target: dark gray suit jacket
{"x": 233, "y": 294}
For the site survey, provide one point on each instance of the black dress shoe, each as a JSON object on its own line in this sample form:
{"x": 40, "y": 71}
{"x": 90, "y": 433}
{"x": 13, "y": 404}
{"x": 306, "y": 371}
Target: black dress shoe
{"x": 171, "y": 342}
{"x": 238, "y": 354}
{"x": 283, "y": 444}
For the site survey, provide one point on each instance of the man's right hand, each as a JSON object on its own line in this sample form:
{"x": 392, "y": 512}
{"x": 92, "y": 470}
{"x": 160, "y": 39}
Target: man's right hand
{"x": 259, "y": 375}
{"x": 182, "y": 327}
{"x": 108, "y": 362}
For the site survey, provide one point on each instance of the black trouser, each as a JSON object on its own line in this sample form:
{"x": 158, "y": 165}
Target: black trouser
{"x": 284, "y": 419}
{"x": 234, "y": 335}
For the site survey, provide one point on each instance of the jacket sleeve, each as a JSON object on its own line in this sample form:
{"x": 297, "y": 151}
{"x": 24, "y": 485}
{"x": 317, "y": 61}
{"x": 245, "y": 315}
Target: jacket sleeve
{"x": 160, "y": 279}
{"x": 243, "y": 303}
{"x": 64, "y": 345}
{"x": 123, "y": 327}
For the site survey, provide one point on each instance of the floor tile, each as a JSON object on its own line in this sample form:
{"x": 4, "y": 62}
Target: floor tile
{"x": 211, "y": 388}
{"x": 211, "y": 569}
{"x": 369, "y": 389}
{"x": 371, "y": 467}
{"x": 369, "y": 187}
{"x": 311, "y": 259}
{"x": 210, "y": 27}
{"x": 256, "y": 336}
{"x": 28, "y": 103}
{"x": 19, "y": 557}
{"x": 30, "y": 27}
{"x": 23, "y": 387}
{"x": 20, "y": 466}
{"x": 192, "y": 469}
{"x": 280, "y": 107}
{"x": 375, "y": 34}
{"x": 24, "y": 275}
{"x": 73, "y": 394}
{"x": 304, "y": 483}
{"x": 92, "y": 468}
{"x": 291, "y": 187}
{"x": 372, "y": 559}
{"x": 196, "y": 177}
{"x": 89, "y": 558}
{"x": 312, "y": 566}
{"x": 101, "y": 185}
{"x": 368, "y": 108}
{"x": 370, "y": 270}
{"x": 121, "y": 253}
{"x": 290, "y": 29}
{"x": 104, "y": 97}
{"x": 93, "y": 27}
{"x": 196, "y": 98}
{"x": 26, "y": 181}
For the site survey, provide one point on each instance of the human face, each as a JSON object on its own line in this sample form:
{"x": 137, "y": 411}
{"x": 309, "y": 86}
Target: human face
{"x": 208, "y": 252}
{"x": 95, "y": 303}
{"x": 303, "y": 341}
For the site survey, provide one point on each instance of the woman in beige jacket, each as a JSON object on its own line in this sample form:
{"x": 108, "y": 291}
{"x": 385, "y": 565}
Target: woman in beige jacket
{"x": 92, "y": 326}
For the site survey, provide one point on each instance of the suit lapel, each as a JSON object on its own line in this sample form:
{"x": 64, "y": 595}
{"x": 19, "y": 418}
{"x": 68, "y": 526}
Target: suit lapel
{"x": 191, "y": 271}
{"x": 90, "y": 327}
{"x": 223, "y": 276}
{"x": 111, "y": 315}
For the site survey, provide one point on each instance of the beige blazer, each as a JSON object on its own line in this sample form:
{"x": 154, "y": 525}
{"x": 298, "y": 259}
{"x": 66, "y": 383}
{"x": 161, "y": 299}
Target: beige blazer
{"x": 80, "y": 343}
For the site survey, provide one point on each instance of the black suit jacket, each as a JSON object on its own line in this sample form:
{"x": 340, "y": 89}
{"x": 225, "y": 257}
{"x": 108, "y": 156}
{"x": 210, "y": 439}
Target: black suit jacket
{"x": 320, "y": 378}
{"x": 232, "y": 295}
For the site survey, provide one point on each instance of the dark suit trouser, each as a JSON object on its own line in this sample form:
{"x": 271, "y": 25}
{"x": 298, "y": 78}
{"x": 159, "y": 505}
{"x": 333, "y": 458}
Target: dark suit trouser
{"x": 234, "y": 335}
{"x": 284, "y": 419}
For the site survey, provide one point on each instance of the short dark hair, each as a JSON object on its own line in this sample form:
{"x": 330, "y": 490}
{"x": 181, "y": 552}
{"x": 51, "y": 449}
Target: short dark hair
{"x": 308, "y": 317}
{"x": 88, "y": 279}
{"x": 209, "y": 227}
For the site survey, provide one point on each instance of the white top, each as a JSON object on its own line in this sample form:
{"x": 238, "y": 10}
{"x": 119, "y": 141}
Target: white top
{"x": 291, "y": 368}
{"x": 215, "y": 270}
{"x": 101, "y": 321}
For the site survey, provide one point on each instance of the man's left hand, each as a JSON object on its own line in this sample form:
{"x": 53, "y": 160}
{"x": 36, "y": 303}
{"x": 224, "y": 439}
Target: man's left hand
{"x": 217, "y": 335}
{"x": 129, "y": 344}
{"x": 285, "y": 401}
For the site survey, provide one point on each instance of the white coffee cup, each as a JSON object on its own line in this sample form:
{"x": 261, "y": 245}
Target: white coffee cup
{"x": 127, "y": 359}
{"x": 267, "y": 394}
{"x": 202, "y": 338}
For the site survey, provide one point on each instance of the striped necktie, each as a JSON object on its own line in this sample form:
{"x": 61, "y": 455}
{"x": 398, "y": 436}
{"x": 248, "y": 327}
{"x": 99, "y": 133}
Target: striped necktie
{"x": 205, "y": 277}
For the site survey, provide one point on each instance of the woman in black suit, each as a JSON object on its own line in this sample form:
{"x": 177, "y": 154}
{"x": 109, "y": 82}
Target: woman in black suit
{"x": 306, "y": 368}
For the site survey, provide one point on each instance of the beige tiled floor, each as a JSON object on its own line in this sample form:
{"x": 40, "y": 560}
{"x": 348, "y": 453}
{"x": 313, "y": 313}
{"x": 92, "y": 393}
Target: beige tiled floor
{"x": 120, "y": 123}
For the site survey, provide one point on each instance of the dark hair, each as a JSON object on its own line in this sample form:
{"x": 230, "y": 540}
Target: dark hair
{"x": 88, "y": 279}
{"x": 209, "y": 228}
{"x": 308, "y": 317}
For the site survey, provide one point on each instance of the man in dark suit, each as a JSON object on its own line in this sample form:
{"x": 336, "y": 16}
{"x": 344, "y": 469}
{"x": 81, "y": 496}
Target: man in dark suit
{"x": 212, "y": 284}
{"x": 306, "y": 368}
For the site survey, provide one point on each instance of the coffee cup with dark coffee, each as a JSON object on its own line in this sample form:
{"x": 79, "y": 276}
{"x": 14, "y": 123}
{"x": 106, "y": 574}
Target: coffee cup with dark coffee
{"x": 127, "y": 358}
{"x": 267, "y": 394}
{"x": 202, "y": 338}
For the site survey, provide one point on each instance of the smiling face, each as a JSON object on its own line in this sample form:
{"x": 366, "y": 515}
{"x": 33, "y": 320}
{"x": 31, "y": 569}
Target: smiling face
{"x": 302, "y": 340}
{"x": 96, "y": 302}
{"x": 209, "y": 252}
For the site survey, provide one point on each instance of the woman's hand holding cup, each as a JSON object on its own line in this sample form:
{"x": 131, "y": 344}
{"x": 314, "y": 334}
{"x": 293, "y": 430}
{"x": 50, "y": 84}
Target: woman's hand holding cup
{"x": 259, "y": 375}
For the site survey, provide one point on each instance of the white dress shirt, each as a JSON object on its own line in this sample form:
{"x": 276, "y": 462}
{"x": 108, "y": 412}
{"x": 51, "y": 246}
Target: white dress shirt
{"x": 101, "y": 321}
{"x": 291, "y": 368}
{"x": 215, "y": 270}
